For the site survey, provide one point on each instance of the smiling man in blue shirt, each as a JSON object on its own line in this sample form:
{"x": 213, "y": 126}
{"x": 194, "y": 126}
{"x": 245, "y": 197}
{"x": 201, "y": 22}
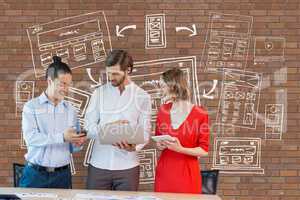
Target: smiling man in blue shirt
{"x": 50, "y": 127}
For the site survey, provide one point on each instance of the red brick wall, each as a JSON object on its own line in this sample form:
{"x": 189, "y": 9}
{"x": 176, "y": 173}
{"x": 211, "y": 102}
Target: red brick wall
{"x": 277, "y": 18}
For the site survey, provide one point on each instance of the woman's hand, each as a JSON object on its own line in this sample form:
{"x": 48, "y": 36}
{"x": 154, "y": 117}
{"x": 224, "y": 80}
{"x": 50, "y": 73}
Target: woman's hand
{"x": 175, "y": 145}
{"x": 161, "y": 145}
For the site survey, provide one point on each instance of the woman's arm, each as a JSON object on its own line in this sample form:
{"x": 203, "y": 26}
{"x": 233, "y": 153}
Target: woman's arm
{"x": 176, "y": 146}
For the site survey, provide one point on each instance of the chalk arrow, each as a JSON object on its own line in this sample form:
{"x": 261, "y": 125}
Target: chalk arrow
{"x": 89, "y": 72}
{"x": 193, "y": 31}
{"x": 208, "y": 95}
{"x": 118, "y": 31}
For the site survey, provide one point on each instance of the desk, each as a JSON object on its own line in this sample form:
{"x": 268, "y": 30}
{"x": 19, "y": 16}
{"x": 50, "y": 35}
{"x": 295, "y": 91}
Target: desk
{"x": 69, "y": 194}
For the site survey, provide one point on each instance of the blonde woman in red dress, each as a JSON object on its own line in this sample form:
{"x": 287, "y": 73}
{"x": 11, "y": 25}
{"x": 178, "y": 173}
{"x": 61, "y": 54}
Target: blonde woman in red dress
{"x": 178, "y": 168}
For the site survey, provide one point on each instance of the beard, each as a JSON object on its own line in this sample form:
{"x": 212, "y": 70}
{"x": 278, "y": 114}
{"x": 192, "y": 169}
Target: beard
{"x": 117, "y": 83}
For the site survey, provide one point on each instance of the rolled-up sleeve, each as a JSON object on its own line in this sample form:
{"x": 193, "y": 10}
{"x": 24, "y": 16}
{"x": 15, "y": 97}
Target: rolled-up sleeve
{"x": 33, "y": 136}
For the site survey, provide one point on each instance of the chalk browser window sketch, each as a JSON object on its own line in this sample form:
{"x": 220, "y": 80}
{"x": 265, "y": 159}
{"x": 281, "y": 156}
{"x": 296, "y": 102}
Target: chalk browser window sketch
{"x": 147, "y": 74}
{"x": 227, "y": 42}
{"x": 239, "y": 101}
{"x": 24, "y": 92}
{"x": 274, "y": 121}
{"x": 155, "y": 31}
{"x": 80, "y": 100}
{"x": 80, "y": 41}
{"x": 237, "y": 155}
{"x": 269, "y": 49}
{"x": 148, "y": 159}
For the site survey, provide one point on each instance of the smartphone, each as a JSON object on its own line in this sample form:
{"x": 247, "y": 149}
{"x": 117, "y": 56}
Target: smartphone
{"x": 82, "y": 132}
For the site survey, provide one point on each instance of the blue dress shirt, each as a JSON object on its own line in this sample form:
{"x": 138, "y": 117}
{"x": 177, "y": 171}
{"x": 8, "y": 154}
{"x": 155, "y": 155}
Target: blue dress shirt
{"x": 43, "y": 126}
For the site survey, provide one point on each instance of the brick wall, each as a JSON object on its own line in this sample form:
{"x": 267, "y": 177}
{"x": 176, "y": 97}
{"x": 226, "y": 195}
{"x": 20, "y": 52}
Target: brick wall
{"x": 278, "y": 20}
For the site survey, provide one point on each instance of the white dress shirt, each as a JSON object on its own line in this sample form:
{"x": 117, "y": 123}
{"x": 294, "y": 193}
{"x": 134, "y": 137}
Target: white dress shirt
{"x": 108, "y": 105}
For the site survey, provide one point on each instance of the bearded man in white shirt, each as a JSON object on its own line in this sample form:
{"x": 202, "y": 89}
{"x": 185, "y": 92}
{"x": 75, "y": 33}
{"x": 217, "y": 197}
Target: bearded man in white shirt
{"x": 116, "y": 167}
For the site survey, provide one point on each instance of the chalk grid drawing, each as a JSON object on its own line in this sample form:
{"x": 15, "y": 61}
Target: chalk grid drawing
{"x": 269, "y": 49}
{"x": 240, "y": 97}
{"x": 80, "y": 100}
{"x": 227, "y": 42}
{"x": 147, "y": 74}
{"x": 24, "y": 92}
{"x": 155, "y": 31}
{"x": 88, "y": 153}
{"x": 72, "y": 165}
{"x": 148, "y": 160}
{"x": 237, "y": 155}
{"x": 274, "y": 114}
{"x": 80, "y": 41}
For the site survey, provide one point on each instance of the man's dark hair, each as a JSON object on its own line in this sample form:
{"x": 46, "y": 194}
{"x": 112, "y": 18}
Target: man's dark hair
{"x": 121, "y": 57}
{"x": 56, "y": 68}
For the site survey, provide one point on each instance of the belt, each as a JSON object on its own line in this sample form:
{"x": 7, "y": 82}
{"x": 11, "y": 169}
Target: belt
{"x": 47, "y": 169}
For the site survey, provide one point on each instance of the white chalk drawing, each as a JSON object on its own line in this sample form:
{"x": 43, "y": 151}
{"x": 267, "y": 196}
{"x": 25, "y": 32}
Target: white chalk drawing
{"x": 119, "y": 32}
{"x": 234, "y": 155}
{"x": 193, "y": 31}
{"x": 22, "y": 142}
{"x": 97, "y": 83}
{"x": 88, "y": 153}
{"x": 80, "y": 41}
{"x": 155, "y": 31}
{"x": 80, "y": 100}
{"x": 209, "y": 95}
{"x": 147, "y": 74}
{"x": 227, "y": 42}
{"x": 269, "y": 49}
{"x": 274, "y": 121}
{"x": 24, "y": 92}
{"x": 148, "y": 160}
{"x": 72, "y": 165}
{"x": 240, "y": 96}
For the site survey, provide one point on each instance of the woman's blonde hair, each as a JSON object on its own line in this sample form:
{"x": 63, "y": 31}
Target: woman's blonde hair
{"x": 177, "y": 84}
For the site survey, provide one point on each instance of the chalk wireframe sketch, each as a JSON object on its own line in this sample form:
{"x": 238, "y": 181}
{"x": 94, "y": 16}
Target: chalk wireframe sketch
{"x": 81, "y": 41}
{"x": 227, "y": 42}
{"x": 235, "y": 155}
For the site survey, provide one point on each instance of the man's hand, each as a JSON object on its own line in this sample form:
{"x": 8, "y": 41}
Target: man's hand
{"x": 70, "y": 135}
{"x": 118, "y": 122}
{"x": 125, "y": 146}
{"x": 82, "y": 140}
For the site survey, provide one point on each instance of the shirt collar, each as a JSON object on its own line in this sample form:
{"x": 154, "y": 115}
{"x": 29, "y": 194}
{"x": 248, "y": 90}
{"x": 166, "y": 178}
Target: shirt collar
{"x": 128, "y": 86}
{"x": 43, "y": 98}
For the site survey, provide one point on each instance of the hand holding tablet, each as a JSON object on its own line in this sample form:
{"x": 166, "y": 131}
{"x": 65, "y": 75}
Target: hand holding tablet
{"x": 161, "y": 138}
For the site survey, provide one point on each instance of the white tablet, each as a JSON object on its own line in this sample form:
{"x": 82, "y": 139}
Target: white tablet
{"x": 116, "y": 132}
{"x": 163, "y": 138}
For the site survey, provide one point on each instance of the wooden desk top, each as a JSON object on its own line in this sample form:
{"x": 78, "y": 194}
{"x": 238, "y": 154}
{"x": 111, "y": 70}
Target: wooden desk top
{"x": 63, "y": 194}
